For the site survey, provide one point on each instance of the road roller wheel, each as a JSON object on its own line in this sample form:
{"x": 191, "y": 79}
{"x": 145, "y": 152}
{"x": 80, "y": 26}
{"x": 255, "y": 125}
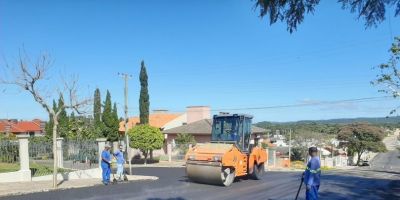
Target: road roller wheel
{"x": 258, "y": 171}
{"x": 227, "y": 176}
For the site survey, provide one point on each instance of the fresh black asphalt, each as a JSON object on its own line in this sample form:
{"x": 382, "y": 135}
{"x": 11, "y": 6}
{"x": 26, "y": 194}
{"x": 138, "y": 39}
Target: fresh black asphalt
{"x": 366, "y": 183}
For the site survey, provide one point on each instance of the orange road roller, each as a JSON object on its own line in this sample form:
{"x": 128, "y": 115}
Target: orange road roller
{"x": 232, "y": 152}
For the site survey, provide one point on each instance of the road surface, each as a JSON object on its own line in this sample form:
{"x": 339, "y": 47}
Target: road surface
{"x": 379, "y": 181}
{"x": 362, "y": 183}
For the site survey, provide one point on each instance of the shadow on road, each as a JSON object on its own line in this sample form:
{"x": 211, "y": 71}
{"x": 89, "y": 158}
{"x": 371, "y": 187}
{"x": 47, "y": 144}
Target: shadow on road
{"x": 354, "y": 187}
{"x": 382, "y": 171}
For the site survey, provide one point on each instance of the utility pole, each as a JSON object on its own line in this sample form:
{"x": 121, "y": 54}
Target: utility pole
{"x": 126, "y": 77}
{"x": 290, "y": 146}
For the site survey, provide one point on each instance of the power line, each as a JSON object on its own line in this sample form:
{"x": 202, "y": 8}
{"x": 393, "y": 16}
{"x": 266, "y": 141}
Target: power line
{"x": 279, "y": 58}
{"x": 319, "y": 103}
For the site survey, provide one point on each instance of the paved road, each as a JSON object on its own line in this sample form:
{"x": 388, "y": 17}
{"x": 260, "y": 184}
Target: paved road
{"x": 173, "y": 185}
{"x": 389, "y": 161}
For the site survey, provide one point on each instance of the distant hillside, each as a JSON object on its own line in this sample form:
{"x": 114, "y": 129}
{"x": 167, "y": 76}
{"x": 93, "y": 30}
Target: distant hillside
{"x": 330, "y": 126}
{"x": 376, "y": 120}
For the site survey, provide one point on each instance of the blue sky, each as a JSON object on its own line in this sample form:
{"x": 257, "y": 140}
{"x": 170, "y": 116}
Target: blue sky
{"x": 216, "y": 53}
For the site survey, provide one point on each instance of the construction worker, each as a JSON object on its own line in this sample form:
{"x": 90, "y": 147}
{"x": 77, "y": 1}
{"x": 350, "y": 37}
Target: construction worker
{"x": 106, "y": 164}
{"x": 119, "y": 155}
{"x": 312, "y": 175}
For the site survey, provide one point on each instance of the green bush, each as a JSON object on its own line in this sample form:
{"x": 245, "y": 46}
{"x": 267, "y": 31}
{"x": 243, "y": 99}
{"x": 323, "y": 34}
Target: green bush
{"x": 183, "y": 140}
{"x": 146, "y": 138}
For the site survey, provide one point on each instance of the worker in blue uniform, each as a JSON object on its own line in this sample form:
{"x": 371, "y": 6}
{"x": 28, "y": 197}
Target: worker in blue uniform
{"x": 106, "y": 164}
{"x": 312, "y": 175}
{"x": 119, "y": 155}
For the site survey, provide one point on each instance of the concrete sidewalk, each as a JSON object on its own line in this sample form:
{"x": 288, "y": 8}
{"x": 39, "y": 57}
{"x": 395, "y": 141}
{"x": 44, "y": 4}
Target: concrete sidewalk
{"x": 18, "y": 188}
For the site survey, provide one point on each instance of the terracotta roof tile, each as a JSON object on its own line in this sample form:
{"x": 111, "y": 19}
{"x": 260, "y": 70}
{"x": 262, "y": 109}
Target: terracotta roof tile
{"x": 21, "y": 126}
{"x": 157, "y": 120}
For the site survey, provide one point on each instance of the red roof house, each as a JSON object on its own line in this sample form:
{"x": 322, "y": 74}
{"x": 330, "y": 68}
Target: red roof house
{"x": 32, "y": 128}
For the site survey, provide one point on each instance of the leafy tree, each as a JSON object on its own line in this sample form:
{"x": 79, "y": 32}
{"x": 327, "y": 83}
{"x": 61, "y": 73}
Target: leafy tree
{"x": 293, "y": 11}
{"x": 81, "y": 128}
{"x": 362, "y": 137}
{"x": 389, "y": 76}
{"x": 145, "y": 138}
{"x": 297, "y": 153}
{"x": 111, "y": 127}
{"x": 97, "y": 107}
{"x": 183, "y": 140}
{"x": 144, "y": 101}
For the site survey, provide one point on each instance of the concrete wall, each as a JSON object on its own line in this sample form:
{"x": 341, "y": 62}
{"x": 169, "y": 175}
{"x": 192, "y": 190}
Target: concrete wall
{"x": 17, "y": 176}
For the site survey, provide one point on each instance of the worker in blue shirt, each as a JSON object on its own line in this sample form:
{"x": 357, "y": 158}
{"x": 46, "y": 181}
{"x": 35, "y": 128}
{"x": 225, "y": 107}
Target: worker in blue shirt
{"x": 106, "y": 164}
{"x": 119, "y": 155}
{"x": 312, "y": 175}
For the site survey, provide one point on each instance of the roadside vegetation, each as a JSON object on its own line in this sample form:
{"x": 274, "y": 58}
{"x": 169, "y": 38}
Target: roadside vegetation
{"x": 183, "y": 140}
{"x": 146, "y": 138}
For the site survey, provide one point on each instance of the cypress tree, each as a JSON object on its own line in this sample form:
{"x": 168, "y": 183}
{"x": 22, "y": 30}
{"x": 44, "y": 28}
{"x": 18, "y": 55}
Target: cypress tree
{"x": 106, "y": 116}
{"x": 97, "y": 107}
{"x": 63, "y": 121}
{"x": 110, "y": 129}
{"x": 115, "y": 120}
{"x": 50, "y": 123}
{"x": 144, "y": 100}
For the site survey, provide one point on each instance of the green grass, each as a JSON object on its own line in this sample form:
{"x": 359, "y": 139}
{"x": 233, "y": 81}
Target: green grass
{"x": 325, "y": 168}
{"x": 36, "y": 169}
{"x": 9, "y": 167}
{"x": 297, "y": 165}
{"x": 43, "y": 170}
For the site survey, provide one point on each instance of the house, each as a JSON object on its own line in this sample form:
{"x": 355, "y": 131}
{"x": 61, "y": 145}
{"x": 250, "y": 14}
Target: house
{"x": 279, "y": 140}
{"x": 32, "y": 128}
{"x": 200, "y": 130}
{"x": 165, "y": 120}
{"x": 159, "y": 118}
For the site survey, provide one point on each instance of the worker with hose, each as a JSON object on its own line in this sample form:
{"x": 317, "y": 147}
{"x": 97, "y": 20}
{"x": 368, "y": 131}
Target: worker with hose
{"x": 312, "y": 175}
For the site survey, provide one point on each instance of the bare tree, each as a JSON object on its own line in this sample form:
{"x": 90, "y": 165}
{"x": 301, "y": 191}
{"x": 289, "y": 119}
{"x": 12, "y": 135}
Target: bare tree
{"x": 30, "y": 76}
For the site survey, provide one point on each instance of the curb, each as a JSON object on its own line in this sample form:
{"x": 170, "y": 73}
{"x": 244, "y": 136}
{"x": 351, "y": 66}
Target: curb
{"x": 138, "y": 178}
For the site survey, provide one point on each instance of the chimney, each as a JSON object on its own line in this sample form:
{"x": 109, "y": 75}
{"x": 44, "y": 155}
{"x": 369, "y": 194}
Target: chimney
{"x": 196, "y": 113}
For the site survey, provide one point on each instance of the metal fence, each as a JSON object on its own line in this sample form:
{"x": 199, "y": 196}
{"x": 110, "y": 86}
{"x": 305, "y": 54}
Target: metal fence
{"x": 179, "y": 151}
{"x": 9, "y": 151}
{"x": 41, "y": 157}
{"x": 80, "y": 154}
{"x": 9, "y": 156}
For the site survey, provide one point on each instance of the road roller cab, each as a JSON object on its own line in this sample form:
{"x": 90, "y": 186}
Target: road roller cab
{"x": 232, "y": 152}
